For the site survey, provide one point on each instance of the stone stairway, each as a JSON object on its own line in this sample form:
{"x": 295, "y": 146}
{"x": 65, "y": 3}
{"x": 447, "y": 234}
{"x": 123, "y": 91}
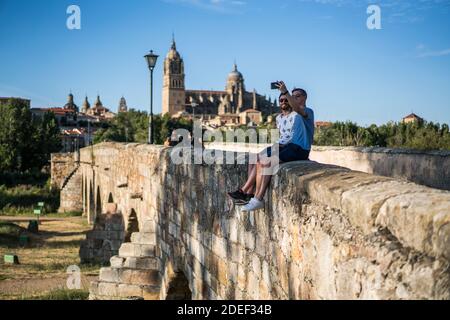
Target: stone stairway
{"x": 133, "y": 274}
{"x": 70, "y": 196}
{"x": 67, "y": 179}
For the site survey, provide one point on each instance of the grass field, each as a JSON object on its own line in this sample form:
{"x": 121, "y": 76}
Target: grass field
{"x": 22, "y": 199}
{"x": 41, "y": 273}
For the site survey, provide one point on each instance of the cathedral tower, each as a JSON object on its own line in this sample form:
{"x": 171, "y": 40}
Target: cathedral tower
{"x": 236, "y": 89}
{"x": 123, "y": 105}
{"x": 86, "y": 105}
{"x": 174, "y": 94}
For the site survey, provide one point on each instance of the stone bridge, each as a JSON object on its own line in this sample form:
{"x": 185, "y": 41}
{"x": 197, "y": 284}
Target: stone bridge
{"x": 168, "y": 231}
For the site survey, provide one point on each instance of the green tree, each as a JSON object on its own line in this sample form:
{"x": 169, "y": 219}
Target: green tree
{"x": 25, "y": 141}
{"x": 15, "y": 129}
{"x": 45, "y": 140}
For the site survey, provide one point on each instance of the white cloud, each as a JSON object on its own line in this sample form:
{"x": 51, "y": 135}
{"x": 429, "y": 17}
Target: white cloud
{"x": 439, "y": 53}
{"x": 224, "y": 6}
{"x": 398, "y": 11}
{"x": 424, "y": 52}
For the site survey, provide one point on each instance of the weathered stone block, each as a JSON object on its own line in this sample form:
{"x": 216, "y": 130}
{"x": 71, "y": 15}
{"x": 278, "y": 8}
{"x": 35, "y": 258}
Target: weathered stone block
{"x": 363, "y": 203}
{"x": 127, "y": 290}
{"x": 148, "y": 238}
{"x": 93, "y": 288}
{"x": 108, "y": 289}
{"x": 116, "y": 262}
{"x": 129, "y": 250}
{"x": 109, "y": 275}
{"x": 139, "y": 277}
{"x": 147, "y": 250}
{"x": 151, "y": 292}
{"x": 219, "y": 246}
{"x": 419, "y": 221}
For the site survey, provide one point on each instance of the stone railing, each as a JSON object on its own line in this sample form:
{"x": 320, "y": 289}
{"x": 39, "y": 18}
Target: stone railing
{"x": 429, "y": 168}
{"x": 326, "y": 232}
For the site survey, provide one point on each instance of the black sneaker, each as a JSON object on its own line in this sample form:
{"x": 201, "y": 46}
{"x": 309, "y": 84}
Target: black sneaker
{"x": 244, "y": 201}
{"x": 239, "y": 197}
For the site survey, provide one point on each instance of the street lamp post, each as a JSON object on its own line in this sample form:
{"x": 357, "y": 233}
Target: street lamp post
{"x": 193, "y": 105}
{"x": 151, "y": 59}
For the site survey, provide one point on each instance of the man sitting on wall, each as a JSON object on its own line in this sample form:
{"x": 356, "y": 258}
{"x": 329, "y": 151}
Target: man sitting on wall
{"x": 296, "y": 135}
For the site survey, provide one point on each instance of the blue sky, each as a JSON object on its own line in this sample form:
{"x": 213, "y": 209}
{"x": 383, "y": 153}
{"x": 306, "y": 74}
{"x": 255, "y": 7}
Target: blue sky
{"x": 350, "y": 72}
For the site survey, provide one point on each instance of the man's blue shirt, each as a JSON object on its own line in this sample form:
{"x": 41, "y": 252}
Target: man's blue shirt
{"x": 303, "y": 130}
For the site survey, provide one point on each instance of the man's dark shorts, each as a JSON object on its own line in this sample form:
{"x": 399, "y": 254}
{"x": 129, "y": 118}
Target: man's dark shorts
{"x": 288, "y": 152}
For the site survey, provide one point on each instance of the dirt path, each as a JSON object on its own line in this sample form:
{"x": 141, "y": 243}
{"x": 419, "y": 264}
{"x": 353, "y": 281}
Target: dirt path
{"x": 26, "y": 219}
{"x": 17, "y": 289}
{"x": 43, "y": 263}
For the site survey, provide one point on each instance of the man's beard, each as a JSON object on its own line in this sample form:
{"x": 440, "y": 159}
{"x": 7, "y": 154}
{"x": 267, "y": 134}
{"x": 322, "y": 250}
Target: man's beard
{"x": 286, "y": 107}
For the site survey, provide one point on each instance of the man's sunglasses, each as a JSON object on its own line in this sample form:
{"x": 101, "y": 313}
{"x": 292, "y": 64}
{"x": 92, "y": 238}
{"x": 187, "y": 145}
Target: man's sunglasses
{"x": 283, "y": 100}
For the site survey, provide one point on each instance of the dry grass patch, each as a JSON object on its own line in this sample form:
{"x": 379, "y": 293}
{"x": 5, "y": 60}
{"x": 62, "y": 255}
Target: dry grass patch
{"x": 44, "y": 261}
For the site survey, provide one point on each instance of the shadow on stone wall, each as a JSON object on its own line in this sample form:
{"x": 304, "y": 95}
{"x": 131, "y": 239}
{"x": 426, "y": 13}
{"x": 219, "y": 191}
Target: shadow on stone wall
{"x": 104, "y": 240}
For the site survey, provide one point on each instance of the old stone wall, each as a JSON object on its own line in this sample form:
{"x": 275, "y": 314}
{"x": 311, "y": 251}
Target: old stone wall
{"x": 430, "y": 168}
{"x": 66, "y": 177}
{"x": 326, "y": 232}
{"x": 104, "y": 241}
{"x": 62, "y": 164}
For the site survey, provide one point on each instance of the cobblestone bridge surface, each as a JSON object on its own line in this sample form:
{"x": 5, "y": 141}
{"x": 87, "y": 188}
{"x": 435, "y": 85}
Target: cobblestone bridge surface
{"x": 168, "y": 231}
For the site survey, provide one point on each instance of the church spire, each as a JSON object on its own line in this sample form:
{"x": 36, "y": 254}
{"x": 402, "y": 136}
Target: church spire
{"x": 174, "y": 45}
{"x": 86, "y": 105}
{"x": 98, "y": 102}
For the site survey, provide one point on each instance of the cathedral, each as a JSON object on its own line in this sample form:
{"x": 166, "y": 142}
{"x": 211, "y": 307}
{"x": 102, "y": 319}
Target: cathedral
{"x": 233, "y": 106}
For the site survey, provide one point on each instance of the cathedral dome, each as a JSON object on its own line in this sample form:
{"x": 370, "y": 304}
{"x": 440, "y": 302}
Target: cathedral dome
{"x": 70, "y": 105}
{"x": 235, "y": 75}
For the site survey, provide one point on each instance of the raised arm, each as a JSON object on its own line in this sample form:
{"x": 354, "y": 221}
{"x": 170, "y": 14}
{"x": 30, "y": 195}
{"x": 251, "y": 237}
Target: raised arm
{"x": 296, "y": 106}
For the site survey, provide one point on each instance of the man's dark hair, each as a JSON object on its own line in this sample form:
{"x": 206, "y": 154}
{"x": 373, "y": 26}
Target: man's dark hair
{"x": 302, "y": 92}
{"x": 281, "y": 94}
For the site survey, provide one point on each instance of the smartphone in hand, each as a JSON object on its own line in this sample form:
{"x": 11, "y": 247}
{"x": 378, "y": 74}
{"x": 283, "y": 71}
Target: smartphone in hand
{"x": 275, "y": 85}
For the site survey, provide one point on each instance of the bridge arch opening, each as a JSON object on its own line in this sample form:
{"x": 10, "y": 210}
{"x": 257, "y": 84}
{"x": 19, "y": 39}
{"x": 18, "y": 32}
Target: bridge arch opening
{"x": 91, "y": 203}
{"x": 98, "y": 203}
{"x": 178, "y": 288}
{"x": 85, "y": 196}
{"x": 132, "y": 225}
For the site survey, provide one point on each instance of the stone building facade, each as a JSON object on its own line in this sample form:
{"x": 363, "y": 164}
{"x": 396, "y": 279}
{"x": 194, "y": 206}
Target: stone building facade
{"x": 224, "y": 107}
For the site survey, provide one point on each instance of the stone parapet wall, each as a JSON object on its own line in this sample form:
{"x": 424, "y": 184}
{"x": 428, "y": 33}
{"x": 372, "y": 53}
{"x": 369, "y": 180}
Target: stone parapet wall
{"x": 326, "y": 232}
{"x": 429, "y": 168}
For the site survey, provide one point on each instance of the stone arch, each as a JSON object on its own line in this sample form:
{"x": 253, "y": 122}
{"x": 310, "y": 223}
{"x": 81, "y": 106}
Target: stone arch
{"x": 83, "y": 199}
{"x": 110, "y": 198}
{"x": 98, "y": 202}
{"x": 85, "y": 196}
{"x": 91, "y": 203}
{"x": 132, "y": 225}
{"x": 178, "y": 288}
